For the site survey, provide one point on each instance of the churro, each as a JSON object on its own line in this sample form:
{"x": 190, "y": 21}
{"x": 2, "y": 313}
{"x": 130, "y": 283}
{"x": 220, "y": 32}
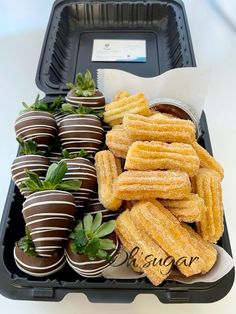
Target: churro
{"x": 173, "y": 238}
{"x": 208, "y": 187}
{"x": 132, "y": 237}
{"x": 141, "y": 185}
{"x": 120, "y": 95}
{"x": 115, "y": 111}
{"x": 159, "y": 155}
{"x": 188, "y": 209}
{"x": 140, "y": 128}
{"x": 207, "y": 161}
{"x": 118, "y": 142}
{"x": 108, "y": 169}
{"x": 208, "y": 252}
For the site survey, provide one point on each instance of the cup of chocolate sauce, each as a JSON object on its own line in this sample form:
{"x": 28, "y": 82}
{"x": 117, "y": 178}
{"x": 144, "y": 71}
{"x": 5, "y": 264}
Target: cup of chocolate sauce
{"x": 175, "y": 108}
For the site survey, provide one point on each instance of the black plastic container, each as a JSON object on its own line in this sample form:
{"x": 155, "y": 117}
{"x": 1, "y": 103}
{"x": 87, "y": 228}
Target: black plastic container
{"x": 67, "y": 48}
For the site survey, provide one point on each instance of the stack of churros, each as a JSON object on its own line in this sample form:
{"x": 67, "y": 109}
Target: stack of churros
{"x": 168, "y": 180}
{"x": 116, "y": 110}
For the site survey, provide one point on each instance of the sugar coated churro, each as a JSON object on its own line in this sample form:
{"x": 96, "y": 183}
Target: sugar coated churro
{"x": 208, "y": 187}
{"x": 206, "y": 160}
{"x": 108, "y": 168}
{"x": 158, "y": 155}
{"x": 133, "y": 237}
{"x": 173, "y": 238}
{"x": 141, "y": 185}
{"x": 120, "y": 95}
{"x": 118, "y": 142}
{"x": 140, "y": 128}
{"x": 188, "y": 209}
{"x": 115, "y": 111}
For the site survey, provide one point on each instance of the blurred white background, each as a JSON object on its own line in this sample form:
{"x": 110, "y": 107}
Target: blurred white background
{"x": 213, "y": 29}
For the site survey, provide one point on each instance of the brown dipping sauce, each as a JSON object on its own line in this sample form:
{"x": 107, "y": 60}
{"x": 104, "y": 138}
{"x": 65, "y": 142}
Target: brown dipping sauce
{"x": 171, "y": 109}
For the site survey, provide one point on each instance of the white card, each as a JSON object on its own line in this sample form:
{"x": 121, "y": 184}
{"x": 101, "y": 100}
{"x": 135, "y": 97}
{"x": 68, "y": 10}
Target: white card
{"x": 115, "y": 50}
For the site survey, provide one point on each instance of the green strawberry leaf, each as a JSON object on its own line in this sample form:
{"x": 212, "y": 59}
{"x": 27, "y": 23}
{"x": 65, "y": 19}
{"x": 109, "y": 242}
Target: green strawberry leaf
{"x": 70, "y": 85}
{"x": 105, "y": 229}
{"x": 92, "y": 248}
{"x": 26, "y": 244}
{"x": 56, "y": 172}
{"x": 65, "y": 153}
{"x": 79, "y": 226}
{"x": 28, "y": 147}
{"x": 80, "y": 238}
{"x": 88, "y": 221}
{"x": 69, "y": 185}
{"x": 107, "y": 244}
{"x": 102, "y": 254}
{"x": 68, "y": 108}
{"x": 34, "y": 178}
{"x": 96, "y": 222}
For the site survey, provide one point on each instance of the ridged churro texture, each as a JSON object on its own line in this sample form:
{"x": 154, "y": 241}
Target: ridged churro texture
{"x": 140, "y": 128}
{"x": 207, "y": 161}
{"x": 120, "y": 95}
{"x": 118, "y": 142}
{"x": 208, "y": 252}
{"x": 173, "y": 238}
{"x": 115, "y": 111}
{"x": 189, "y": 209}
{"x": 132, "y": 236}
{"x": 208, "y": 187}
{"x": 142, "y": 185}
{"x": 108, "y": 169}
{"x": 159, "y": 155}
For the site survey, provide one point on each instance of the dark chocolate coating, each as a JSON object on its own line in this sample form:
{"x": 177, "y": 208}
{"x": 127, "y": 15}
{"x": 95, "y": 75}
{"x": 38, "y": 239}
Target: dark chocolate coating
{"x": 59, "y": 116}
{"x": 90, "y": 268}
{"x": 49, "y": 216}
{"x": 54, "y": 157}
{"x": 78, "y": 132}
{"x": 95, "y": 207}
{"x": 39, "y": 126}
{"x": 81, "y": 169}
{"x": 38, "y": 164}
{"x": 95, "y": 102}
{"x": 38, "y": 266}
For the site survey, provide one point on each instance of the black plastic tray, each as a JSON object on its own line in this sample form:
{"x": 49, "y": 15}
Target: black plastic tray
{"x": 166, "y": 24}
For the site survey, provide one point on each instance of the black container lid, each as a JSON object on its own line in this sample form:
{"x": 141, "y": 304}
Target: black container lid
{"x": 73, "y": 25}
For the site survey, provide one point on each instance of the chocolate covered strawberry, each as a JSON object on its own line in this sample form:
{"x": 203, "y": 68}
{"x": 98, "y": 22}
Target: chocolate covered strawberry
{"x": 95, "y": 207}
{"x": 31, "y": 263}
{"x": 49, "y": 212}
{"x": 36, "y": 124}
{"x": 80, "y": 130}
{"x": 55, "y": 151}
{"x": 84, "y": 92}
{"x": 93, "y": 246}
{"x": 80, "y": 168}
{"x": 30, "y": 158}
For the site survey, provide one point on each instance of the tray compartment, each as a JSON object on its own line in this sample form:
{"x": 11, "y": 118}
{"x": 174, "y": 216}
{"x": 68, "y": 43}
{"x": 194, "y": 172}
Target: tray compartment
{"x": 68, "y": 44}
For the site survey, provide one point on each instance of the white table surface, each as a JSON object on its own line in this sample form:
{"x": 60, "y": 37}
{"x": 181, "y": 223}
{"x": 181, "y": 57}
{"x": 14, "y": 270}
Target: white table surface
{"x": 22, "y": 27}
